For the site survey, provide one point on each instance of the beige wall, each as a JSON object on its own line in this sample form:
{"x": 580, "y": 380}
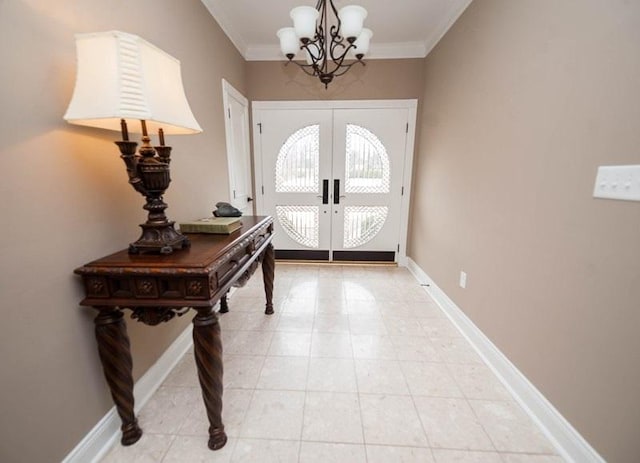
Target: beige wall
{"x": 523, "y": 100}
{"x": 65, "y": 200}
{"x": 379, "y": 79}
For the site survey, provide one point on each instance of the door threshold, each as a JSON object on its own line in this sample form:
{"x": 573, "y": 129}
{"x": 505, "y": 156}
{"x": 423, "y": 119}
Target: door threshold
{"x": 337, "y": 263}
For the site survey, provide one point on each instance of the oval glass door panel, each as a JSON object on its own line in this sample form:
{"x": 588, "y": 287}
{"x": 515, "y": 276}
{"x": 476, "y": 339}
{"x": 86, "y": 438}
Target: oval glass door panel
{"x": 297, "y": 171}
{"x": 362, "y": 224}
{"x": 367, "y": 163}
{"x": 298, "y": 162}
{"x": 300, "y": 223}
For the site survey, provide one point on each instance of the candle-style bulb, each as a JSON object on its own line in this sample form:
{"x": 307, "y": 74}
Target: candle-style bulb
{"x": 161, "y": 136}
{"x": 124, "y": 130}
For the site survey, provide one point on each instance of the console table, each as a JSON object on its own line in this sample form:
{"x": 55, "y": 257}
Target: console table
{"x": 156, "y": 288}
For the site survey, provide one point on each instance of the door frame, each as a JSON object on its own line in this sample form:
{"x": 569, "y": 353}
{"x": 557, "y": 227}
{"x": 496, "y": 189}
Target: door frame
{"x": 411, "y": 105}
{"x": 228, "y": 92}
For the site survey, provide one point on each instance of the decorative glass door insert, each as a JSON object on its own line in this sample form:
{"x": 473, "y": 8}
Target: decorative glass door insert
{"x": 362, "y": 224}
{"x": 298, "y": 162}
{"x": 367, "y": 162}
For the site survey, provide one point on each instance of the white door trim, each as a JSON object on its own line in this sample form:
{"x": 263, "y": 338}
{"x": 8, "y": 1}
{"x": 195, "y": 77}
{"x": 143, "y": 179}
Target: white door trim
{"x": 334, "y": 104}
{"x": 229, "y": 91}
{"x": 412, "y": 107}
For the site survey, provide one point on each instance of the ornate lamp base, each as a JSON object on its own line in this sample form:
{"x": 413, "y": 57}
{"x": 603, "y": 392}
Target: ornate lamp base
{"x": 162, "y": 238}
{"x": 149, "y": 175}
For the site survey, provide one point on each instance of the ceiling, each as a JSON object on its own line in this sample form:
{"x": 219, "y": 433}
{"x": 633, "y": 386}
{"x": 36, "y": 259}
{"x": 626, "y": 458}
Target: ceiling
{"x": 401, "y": 28}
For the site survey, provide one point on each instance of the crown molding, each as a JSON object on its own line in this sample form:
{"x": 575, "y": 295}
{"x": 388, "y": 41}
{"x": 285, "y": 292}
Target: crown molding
{"x": 392, "y": 50}
{"x": 264, "y": 53}
{"x": 444, "y": 26}
{"x": 397, "y": 50}
{"x": 226, "y": 25}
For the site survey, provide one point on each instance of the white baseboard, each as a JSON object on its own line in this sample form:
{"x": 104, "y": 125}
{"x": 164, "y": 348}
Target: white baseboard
{"x": 567, "y": 441}
{"x": 106, "y": 432}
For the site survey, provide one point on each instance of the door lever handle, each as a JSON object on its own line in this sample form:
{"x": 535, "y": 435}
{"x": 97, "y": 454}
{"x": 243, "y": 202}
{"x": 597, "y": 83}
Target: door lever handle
{"x": 325, "y": 191}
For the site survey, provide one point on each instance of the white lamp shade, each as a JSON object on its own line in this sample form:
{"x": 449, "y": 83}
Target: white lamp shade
{"x": 362, "y": 42}
{"x": 288, "y": 41}
{"x": 304, "y": 21}
{"x": 121, "y": 76}
{"x": 352, "y": 19}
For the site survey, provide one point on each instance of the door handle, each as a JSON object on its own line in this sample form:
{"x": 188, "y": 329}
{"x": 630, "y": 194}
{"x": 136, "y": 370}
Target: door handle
{"x": 325, "y": 191}
{"x": 249, "y": 199}
{"x": 336, "y": 191}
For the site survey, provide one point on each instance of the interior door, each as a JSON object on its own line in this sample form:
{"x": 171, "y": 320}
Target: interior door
{"x": 332, "y": 178}
{"x": 236, "y": 108}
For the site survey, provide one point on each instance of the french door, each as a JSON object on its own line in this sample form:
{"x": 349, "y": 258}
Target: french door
{"x": 334, "y": 180}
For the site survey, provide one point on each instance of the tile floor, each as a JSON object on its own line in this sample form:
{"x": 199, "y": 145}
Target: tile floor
{"x": 358, "y": 365}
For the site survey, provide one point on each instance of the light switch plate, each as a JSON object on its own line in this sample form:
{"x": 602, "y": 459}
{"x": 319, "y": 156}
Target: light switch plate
{"x": 463, "y": 279}
{"x": 618, "y": 182}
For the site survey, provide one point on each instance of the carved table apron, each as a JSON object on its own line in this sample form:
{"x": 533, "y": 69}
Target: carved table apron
{"x": 156, "y": 288}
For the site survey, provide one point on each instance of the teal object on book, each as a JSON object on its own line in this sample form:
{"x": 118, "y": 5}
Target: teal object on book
{"x": 226, "y": 210}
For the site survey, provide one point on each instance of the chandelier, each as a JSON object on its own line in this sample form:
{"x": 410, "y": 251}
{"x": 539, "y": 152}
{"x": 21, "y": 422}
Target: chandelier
{"x": 326, "y": 40}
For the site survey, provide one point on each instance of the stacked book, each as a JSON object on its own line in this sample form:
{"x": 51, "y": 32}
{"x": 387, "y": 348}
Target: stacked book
{"x": 218, "y": 225}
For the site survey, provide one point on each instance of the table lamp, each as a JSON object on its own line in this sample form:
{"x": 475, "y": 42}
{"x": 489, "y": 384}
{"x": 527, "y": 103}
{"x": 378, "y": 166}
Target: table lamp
{"x": 121, "y": 77}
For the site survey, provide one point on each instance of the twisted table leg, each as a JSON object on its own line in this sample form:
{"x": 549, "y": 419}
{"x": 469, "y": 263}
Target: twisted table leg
{"x": 207, "y": 347}
{"x": 224, "y": 305}
{"x": 268, "y": 274}
{"x": 115, "y": 355}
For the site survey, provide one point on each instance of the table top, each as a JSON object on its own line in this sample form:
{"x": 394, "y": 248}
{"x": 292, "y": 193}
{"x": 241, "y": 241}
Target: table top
{"x": 205, "y": 249}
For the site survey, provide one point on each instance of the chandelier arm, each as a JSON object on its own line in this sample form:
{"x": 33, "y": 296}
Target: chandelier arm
{"x": 304, "y": 67}
{"x": 334, "y": 33}
{"x": 345, "y": 67}
{"x": 308, "y": 69}
{"x": 340, "y": 69}
{"x": 338, "y": 61}
{"x": 320, "y": 36}
{"x": 339, "y": 44}
{"x": 315, "y": 58}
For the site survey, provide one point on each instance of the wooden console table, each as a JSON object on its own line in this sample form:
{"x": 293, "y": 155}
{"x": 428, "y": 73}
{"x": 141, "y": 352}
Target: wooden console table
{"x": 156, "y": 288}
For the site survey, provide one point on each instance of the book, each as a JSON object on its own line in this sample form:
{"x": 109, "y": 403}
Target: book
{"x": 217, "y": 225}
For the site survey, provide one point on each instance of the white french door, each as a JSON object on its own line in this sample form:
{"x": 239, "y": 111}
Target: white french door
{"x": 335, "y": 179}
{"x": 368, "y": 166}
{"x": 296, "y": 167}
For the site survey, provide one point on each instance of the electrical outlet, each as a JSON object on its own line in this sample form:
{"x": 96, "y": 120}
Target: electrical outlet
{"x": 463, "y": 279}
{"x": 618, "y": 182}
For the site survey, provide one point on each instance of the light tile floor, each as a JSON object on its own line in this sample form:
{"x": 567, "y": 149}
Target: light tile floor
{"x": 357, "y": 365}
